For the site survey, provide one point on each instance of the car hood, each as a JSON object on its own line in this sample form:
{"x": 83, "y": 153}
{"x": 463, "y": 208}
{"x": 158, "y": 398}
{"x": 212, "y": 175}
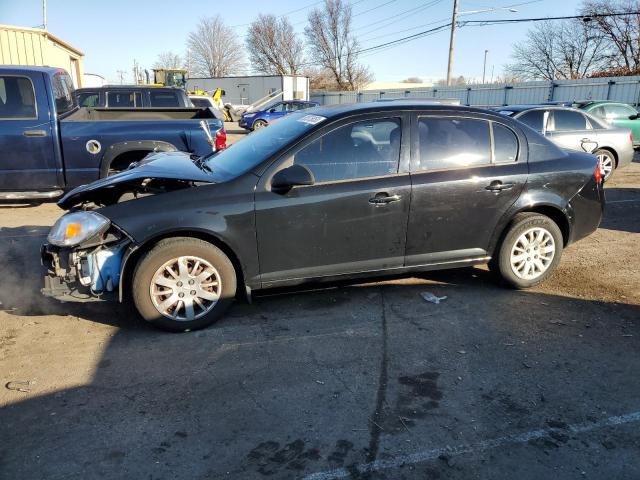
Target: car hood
{"x": 158, "y": 166}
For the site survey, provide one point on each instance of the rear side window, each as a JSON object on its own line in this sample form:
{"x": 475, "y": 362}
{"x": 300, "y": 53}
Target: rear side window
{"x": 124, "y": 99}
{"x": 453, "y": 142}
{"x": 505, "y": 144}
{"x": 568, "y": 120}
{"x": 533, "y": 119}
{"x": 200, "y": 102}
{"x": 164, "y": 99}
{"x": 369, "y": 148}
{"x": 63, "y": 92}
{"x": 17, "y": 98}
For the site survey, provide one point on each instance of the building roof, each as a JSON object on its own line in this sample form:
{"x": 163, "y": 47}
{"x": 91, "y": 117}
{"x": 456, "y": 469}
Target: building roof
{"x": 45, "y": 33}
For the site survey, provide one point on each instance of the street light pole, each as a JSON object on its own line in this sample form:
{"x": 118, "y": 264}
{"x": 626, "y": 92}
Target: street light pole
{"x": 484, "y": 67}
{"x": 44, "y": 14}
{"x": 452, "y": 40}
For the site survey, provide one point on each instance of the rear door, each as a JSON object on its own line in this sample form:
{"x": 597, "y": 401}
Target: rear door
{"x": 570, "y": 129}
{"x": 353, "y": 219}
{"x": 466, "y": 172}
{"x": 27, "y": 159}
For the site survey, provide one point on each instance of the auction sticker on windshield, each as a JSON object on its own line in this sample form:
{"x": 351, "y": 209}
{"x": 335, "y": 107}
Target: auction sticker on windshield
{"x": 312, "y": 119}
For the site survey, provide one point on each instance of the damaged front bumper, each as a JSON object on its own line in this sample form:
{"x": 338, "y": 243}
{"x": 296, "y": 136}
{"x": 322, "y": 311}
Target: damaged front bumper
{"x": 83, "y": 274}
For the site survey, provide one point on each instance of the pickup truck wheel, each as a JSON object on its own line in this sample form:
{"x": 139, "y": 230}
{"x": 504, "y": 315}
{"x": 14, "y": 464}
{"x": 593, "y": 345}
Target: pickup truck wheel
{"x": 530, "y": 251}
{"x": 258, "y": 124}
{"x": 183, "y": 284}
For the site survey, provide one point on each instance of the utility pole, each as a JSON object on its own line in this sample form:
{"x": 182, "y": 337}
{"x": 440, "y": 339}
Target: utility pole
{"x": 484, "y": 67}
{"x": 452, "y": 40}
{"x": 121, "y": 74}
{"x": 44, "y": 14}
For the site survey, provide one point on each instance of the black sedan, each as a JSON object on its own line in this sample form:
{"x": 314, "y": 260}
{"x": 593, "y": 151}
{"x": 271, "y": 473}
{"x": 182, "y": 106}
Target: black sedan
{"x": 330, "y": 193}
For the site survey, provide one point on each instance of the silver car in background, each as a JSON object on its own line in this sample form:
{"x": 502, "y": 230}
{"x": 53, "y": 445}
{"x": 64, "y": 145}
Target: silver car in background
{"x": 578, "y": 130}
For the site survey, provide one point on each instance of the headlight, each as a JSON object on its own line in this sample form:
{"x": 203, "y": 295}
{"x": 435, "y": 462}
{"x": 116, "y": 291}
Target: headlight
{"x": 76, "y": 227}
{"x": 249, "y": 115}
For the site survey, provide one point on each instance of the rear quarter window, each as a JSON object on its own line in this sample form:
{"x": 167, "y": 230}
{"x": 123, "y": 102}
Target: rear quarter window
{"x": 164, "y": 99}
{"x": 505, "y": 144}
{"x": 63, "y": 92}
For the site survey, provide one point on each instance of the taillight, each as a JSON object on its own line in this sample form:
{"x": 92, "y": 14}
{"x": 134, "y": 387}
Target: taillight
{"x": 221, "y": 139}
{"x": 597, "y": 174}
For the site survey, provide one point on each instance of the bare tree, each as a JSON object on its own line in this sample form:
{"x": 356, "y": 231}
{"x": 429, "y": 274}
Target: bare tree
{"x": 333, "y": 46}
{"x": 274, "y": 48}
{"x": 560, "y": 50}
{"x": 168, "y": 60}
{"x": 621, "y": 33}
{"x": 214, "y": 50}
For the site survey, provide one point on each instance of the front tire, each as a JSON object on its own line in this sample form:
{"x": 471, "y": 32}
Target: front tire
{"x": 530, "y": 251}
{"x": 258, "y": 124}
{"x": 607, "y": 163}
{"x": 183, "y": 284}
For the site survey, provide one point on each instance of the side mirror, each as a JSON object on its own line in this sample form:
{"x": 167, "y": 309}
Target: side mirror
{"x": 272, "y": 110}
{"x": 633, "y": 117}
{"x": 292, "y": 176}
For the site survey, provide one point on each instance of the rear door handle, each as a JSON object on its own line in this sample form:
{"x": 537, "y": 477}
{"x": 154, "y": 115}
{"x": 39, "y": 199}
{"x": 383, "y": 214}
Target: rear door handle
{"x": 34, "y": 133}
{"x": 383, "y": 199}
{"x": 497, "y": 186}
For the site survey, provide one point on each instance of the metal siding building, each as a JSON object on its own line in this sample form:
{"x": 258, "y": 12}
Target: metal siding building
{"x": 37, "y": 47}
{"x": 620, "y": 89}
{"x": 248, "y": 89}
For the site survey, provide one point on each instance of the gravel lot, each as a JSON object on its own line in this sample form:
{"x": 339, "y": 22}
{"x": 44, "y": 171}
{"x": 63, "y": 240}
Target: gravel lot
{"x": 355, "y": 381}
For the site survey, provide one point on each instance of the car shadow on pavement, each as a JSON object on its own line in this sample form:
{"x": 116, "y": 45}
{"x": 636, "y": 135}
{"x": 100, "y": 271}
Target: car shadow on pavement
{"x": 622, "y": 210}
{"x": 308, "y": 381}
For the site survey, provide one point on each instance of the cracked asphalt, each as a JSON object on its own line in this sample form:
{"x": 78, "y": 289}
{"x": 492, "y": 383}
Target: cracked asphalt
{"x": 353, "y": 381}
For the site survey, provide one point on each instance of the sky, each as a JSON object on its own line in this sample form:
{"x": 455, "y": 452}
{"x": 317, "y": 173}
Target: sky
{"x": 114, "y": 33}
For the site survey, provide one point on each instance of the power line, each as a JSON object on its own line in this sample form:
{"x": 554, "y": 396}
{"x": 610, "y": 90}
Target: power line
{"x": 374, "y": 8}
{"x": 403, "y": 14}
{"x": 585, "y": 18}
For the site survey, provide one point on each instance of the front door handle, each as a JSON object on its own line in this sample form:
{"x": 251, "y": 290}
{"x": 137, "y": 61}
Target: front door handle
{"x": 497, "y": 186}
{"x": 34, "y": 133}
{"x": 384, "y": 199}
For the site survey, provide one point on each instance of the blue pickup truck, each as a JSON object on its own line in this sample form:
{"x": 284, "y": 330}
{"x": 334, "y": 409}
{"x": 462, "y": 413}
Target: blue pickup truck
{"x": 49, "y": 145}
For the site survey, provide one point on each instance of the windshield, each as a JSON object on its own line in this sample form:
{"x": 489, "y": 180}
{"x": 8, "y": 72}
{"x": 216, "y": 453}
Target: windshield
{"x": 261, "y": 144}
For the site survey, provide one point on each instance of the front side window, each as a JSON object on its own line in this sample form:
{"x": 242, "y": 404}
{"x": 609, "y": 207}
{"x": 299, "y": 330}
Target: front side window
{"x": 164, "y": 99}
{"x": 369, "y": 148}
{"x": 17, "y": 98}
{"x": 619, "y": 111}
{"x": 453, "y": 142}
{"x": 569, "y": 120}
{"x": 278, "y": 107}
{"x": 534, "y": 119}
{"x": 63, "y": 92}
{"x": 89, "y": 99}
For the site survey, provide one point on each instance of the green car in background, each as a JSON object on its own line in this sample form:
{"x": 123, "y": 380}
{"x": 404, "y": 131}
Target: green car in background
{"x": 615, "y": 114}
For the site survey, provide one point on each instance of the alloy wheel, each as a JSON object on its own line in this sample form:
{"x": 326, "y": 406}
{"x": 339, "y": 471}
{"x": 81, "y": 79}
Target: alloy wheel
{"x": 532, "y": 253}
{"x": 185, "y": 288}
{"x": 606, "y": 164}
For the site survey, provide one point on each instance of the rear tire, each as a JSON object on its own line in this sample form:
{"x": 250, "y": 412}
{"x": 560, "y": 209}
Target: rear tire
{"x": 529, "y": 252}
{"x": 258, "y": 124}
{"x": 607, "y": 163}
{"x": 183, "y": 284}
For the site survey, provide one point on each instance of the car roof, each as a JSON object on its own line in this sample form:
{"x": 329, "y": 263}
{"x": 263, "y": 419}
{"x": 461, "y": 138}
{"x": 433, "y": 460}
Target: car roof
{"x": 331, "y": 111}
{"x": 128, "y": 87}
{"x": 524, "y": 108}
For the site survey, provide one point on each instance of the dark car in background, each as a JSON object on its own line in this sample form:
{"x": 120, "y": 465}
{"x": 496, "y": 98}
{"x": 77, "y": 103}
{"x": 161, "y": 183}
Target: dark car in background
{"x": 578, "y": 130}
{"x": 261, "y": 118}
{"x": 132, "y": 96}
{"x": 340, "y": 192}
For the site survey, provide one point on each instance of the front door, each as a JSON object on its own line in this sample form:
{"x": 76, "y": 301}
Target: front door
{"x": 27, "y": 159}
{"x": 353, "y": 219}
{"x": 463, "y": 183}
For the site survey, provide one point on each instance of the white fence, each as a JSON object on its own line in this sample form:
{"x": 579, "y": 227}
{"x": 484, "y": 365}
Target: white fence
{"x": 620, "y": 89}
